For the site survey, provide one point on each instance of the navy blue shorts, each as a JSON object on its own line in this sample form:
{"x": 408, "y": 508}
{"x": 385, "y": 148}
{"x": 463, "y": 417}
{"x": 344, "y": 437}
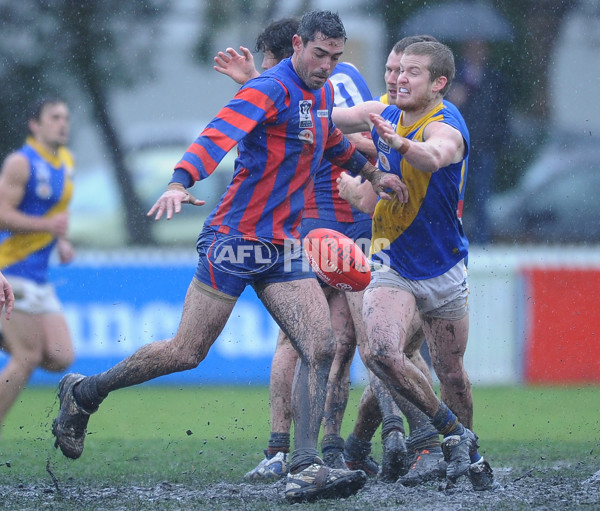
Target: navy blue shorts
{"x": 230, "y": 262}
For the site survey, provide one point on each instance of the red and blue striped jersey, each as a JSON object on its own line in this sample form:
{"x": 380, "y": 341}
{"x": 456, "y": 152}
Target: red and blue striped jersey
{"x": 283, "y": 130}
{"x": 350, "y": 89}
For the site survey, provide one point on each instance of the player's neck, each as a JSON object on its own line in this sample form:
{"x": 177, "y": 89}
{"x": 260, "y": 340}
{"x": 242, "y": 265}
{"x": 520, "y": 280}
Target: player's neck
{"x": 410, "y": 117}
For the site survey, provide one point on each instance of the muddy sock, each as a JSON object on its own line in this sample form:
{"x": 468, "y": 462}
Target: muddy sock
{"x": 425, "y": 437}
{"x": 86, "y": 394}
{"x": 278, "y": 442}
{"x": 356, "y": 449}
{"x": 475, "y": 457}
{"x": 302, "y": 458}
{"x": 446, "y": 422}
{"x": 332, "y": 442}
{"x": 391, "y": 423}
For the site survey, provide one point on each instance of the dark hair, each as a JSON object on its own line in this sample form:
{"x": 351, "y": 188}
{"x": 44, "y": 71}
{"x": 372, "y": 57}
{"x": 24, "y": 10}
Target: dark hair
{"x": 277, "y": 38}
{"x": 326, "y": 22}
{"x": 34, "y": 112}
{"x": 442, "y": 60}
{"x": 405, "y": 42}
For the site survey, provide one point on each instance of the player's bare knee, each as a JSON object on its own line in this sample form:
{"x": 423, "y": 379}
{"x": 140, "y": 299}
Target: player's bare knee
{"x": 186, "y": 355}
{"x": 59, "y": 362}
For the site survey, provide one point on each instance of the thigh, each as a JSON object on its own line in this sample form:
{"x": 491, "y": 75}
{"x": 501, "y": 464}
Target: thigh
{"x": 204, "y": 316}
{"x": 58, "y": 343}
{"x": 388, "y": 313}
{"x": 23, "y": 334}
{"x": 415, "y": 335}
{"x": 341, "y": 317}
{"x": 300, "y": 309}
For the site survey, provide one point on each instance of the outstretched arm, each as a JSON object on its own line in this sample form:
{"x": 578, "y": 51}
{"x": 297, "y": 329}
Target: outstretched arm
{"x": 170, "y": 201}
{"x": 239, "y": 67}
{"x": 356, "y": 119}
{"x": 442, "y": 144}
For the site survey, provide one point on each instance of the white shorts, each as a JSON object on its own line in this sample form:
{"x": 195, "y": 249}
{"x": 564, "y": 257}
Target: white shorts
{"x": 443, "y": 297}
{"x": 32, "y": 297}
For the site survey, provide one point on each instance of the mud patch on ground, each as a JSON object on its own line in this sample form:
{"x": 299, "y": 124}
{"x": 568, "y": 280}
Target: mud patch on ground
{"x": 525, "y": 490}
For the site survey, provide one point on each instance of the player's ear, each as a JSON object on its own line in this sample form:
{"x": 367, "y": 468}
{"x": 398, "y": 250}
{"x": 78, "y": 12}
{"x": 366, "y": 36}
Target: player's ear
{"x": 439, "y": 83}
{"x": 297, "y": 43}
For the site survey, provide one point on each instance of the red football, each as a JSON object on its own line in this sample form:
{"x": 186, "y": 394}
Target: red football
{"x": 337, "y": 260}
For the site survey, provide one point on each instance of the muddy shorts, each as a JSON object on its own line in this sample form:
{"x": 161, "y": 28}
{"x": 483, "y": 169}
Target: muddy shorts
{"x": 229, "y": 262}
{"x": 443, "y": 297}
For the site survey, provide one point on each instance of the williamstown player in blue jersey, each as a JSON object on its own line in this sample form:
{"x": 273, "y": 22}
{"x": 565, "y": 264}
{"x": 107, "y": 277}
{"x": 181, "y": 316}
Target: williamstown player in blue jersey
{"x": 281, "y": 123}
{"x": 35, "y": 191}
{"x": 424, "y": 458}
{"x": 419, "y": 251}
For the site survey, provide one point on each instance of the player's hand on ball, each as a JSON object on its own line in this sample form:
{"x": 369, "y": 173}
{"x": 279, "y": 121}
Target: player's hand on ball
{"x": 170, "y": 202}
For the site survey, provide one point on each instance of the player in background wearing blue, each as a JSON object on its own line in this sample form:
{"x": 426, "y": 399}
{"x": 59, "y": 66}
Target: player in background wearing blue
{"x": 35, "y": 191}
{"x": 324, "y": 209}
{"x": 281, "y": 123}
{"x": 419, "y": 251}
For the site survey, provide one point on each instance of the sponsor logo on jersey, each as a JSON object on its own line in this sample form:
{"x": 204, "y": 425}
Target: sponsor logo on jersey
{"x": 322, "y": 113}
{"x": 382, "y": 146}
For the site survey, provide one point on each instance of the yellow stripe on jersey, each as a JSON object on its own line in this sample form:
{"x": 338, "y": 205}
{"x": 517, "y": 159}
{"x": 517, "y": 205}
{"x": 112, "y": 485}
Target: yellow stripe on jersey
{"x": 62, "y": 157}
{"x": 20, "y": 245}
{"x": 392, "y": 217}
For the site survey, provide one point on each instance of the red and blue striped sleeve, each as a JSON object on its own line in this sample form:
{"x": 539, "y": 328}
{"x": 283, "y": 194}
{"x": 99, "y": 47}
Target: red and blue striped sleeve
{"x": 240, "y": 116}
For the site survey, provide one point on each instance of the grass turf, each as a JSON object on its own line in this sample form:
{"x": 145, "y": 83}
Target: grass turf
{"x": 149, "y": 434}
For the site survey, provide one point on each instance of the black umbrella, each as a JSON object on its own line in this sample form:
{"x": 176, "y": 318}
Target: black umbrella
{"x": 459, "y": 21}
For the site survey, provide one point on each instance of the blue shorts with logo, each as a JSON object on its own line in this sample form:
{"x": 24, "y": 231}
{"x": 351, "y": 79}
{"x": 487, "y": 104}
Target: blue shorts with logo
{"x": 230, "y": 262}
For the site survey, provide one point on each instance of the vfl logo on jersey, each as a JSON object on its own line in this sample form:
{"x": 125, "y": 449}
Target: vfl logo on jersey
{"x": 306, "y": 136}
{"x": 305, "y": 106}
{"x": 384, "y": 162}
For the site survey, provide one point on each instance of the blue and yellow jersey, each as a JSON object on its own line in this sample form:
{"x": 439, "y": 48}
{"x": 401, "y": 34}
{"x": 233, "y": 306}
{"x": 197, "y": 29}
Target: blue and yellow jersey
{"x": 383, "y": 99}
{"x": 47, "y": 192}
{"x": 423, "y": 238}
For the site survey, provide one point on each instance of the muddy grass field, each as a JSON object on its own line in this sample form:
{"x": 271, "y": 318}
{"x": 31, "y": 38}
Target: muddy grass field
{"x": 187, "y": 449}
{"x": 556, "y": 488}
